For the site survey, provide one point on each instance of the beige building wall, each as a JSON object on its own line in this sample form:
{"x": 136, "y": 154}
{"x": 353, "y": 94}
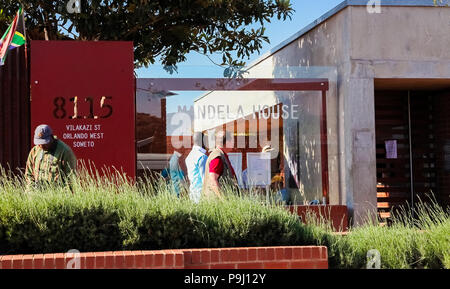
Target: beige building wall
{"x": 399, "y": 42}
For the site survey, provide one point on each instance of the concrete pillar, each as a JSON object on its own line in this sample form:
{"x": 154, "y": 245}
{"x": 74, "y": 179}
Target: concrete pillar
{"x": 359, "y": 149}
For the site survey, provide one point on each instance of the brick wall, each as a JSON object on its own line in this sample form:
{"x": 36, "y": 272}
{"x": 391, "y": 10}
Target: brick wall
{"x": 294, "y": 257}
{"x": 337, "y": 214}
{"x": 311, "y": 257}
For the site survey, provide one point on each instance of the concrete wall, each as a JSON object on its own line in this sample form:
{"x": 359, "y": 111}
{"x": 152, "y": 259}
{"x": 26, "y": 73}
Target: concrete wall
{"x": 399, "y": 42}
{"x": 401, "y": 34}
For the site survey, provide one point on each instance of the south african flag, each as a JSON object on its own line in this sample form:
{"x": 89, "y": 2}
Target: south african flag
{"x": 13, "y": 36}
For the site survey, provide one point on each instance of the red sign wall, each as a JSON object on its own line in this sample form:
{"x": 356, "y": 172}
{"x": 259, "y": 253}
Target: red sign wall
{"x": 85, "y": 92}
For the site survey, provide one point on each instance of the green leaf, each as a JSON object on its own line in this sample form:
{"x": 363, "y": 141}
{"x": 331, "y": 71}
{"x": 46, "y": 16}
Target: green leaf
{"x": 156, "y": 27}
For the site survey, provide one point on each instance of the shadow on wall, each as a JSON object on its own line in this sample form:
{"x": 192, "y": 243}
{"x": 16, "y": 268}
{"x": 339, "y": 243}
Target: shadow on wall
{"x": 302, "y": 149}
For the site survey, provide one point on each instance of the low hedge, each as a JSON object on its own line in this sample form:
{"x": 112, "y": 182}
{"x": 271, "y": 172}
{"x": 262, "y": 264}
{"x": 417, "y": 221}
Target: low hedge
{"x": 417, "y": 238}
{"x": 108, "y": 214}
{"x": 112, "y": 215}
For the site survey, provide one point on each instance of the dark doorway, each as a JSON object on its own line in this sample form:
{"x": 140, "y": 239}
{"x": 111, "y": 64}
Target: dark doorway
{"x": 412, "y": 148}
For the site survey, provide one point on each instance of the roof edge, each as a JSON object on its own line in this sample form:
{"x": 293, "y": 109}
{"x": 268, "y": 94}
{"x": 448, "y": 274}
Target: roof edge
{"x": 337, "y": 9}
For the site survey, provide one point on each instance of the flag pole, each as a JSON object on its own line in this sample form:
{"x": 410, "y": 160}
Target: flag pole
{"x": 8, "y": 38}
{"x": 25, "y": 35}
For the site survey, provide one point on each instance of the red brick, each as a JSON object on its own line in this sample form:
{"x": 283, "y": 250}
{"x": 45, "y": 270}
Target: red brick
{"x": 205, "y": 256}
{"x": 215, "y": 256}
{"x": 243, "y": 255}
{"x": 288, "y": 253}
{"x": 139, "y": 260}
{"x": 322, "y": 264}
{"x": 196, "y": 257}
{"x": 129, "y": 260}
{"x": 179, "y": 259}
{"x": 28, "y": 262}
{"x": 234, "y": 255}
{"x": 119, "y": 259}
{"x": 252, "y": 254}
{"x": 325, "y": 253}
{"x": 200, "y": 258}
{"x": 49, "y": 261}
{"x": 305, "y": 264}
{"x": 279, "y": 253}
{"x": 7, "y": 262}
{"x": 17, "y": 262}
{"x": 307, "y": 252}
{"x": 315, "y": 252}
{"x": 270, "y": 254}
{"x": 110, "y": 262}
{"x": 276, "y": 265}
{"x": 225, "y": 255}
{"x": 149, "y": 259}
{"x": 60, "y": 261}
{"x": 38, "y": 261}
{"x": 297, "y": 253}
{"x": 82, "y": 260}
{"x": 262, "y": 254}
{"x": 89, "y": 261}
{"x": 187, "y": 256}
{"x": 170, "y": 259}
{"x": 99, "y": 260}
{"x": 158, "y": 259}
{"x": 250, "y": 265}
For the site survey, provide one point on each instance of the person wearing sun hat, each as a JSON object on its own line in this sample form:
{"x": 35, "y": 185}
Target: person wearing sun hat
{"x": 50, "y": 160}
{"x": 277, "y": 185}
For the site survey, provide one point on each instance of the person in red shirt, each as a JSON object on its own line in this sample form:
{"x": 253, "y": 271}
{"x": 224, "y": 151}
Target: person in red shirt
{"x": 218, "y": 165}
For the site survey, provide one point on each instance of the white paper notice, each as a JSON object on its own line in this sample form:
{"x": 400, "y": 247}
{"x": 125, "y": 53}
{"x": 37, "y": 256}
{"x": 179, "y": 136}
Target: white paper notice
{"x": 258, "y": 169}
{"x": 391, "y": 149}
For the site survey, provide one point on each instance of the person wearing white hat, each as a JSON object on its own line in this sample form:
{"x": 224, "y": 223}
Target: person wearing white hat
{"x": 50, "y": 160}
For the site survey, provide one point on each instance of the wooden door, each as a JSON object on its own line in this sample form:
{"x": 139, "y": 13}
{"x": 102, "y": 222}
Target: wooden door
{"x": 408, "y": 120}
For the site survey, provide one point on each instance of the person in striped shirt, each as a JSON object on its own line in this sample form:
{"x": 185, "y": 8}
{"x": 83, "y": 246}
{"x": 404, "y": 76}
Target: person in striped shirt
{"x": 50, "y": 160}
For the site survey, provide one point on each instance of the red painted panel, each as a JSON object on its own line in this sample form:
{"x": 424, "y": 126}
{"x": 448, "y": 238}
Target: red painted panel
{"x": 85, "y": 92}
{"x": 337, "y": 214}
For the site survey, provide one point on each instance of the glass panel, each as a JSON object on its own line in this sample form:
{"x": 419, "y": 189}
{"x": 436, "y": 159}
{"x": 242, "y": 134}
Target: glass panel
{"x": 277, "y": 110}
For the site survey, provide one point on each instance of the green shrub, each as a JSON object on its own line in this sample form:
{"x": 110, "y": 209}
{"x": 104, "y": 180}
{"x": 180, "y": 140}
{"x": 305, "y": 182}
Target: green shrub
{"x": 434, "y": 237}
{"x": 417, "y": 238}
{"x": 108, "y": 213}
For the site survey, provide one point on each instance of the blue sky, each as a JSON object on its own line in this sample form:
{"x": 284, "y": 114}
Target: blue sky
{"x": 198, "y": 65}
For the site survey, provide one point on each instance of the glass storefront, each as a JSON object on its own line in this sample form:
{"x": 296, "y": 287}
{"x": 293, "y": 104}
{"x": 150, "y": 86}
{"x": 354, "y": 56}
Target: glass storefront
{"x": 277, "y": 114}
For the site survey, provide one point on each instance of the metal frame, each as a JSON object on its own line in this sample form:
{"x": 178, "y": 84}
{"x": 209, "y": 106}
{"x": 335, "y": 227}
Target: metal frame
{"x": 164, "y": 85}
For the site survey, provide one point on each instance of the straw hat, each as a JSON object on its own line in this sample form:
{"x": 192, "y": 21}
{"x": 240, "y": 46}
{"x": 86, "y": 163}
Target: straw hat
{"x": 277, "y": 179}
